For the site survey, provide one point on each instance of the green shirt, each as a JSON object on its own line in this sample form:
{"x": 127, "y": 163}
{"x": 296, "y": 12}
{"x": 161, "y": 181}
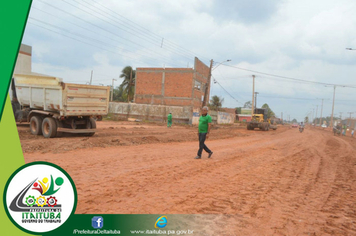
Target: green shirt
{"x": 203, "y": 123}
{"x": 170, "y": 117}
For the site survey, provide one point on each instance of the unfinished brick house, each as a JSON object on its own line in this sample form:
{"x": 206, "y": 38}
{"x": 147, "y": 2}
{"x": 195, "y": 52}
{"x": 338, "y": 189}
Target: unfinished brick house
{"x": 172, "y": 86}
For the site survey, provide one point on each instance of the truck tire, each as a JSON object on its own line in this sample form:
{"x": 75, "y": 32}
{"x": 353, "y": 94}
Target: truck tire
{"x": 36, "y": 125}
{"x": 49, "y": 127}
{"x": 91, "y": 125}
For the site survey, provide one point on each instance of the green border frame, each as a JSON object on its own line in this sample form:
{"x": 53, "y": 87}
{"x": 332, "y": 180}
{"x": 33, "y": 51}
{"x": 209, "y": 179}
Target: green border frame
{"x": 39, "y": 163}
{"x": 12, "y": 10}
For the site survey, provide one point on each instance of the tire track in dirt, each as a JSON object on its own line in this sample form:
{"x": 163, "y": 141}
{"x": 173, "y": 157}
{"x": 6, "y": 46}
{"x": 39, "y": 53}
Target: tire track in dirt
{"x": 268, "y": 184}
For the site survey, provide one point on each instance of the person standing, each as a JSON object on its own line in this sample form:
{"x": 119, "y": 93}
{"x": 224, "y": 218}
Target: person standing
{"x": 203, "y": 132}
{"x": 352, "y": 132}
{"x": 344, "y": 130}
{"x": 169, "y": 120}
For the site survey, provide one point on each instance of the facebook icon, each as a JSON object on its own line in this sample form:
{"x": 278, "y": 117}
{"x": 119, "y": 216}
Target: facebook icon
{"x": 97, "y": 222}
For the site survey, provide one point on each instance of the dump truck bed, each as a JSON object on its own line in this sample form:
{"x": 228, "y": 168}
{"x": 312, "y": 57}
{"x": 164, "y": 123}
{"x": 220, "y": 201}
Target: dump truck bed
{"x": 67, "y": 99}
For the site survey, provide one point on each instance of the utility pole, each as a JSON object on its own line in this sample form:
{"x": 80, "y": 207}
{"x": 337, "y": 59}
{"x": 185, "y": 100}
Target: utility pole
{"x": 321, "y": 111}
{"x": 91, "y": 77}
{"x": 207, "y": 88}
{"x": 316, "y": 114}
{"x": 112, "y": 89}
{"x": 282, "y": 117}
{"x": 253, "y": 95}
{"x": 350, "y": 116}
{"x": 129, "y": 86}
{"x": 332, "y": 110}
{"x": 256, "y": 99}
{"x": 313, "y": 116}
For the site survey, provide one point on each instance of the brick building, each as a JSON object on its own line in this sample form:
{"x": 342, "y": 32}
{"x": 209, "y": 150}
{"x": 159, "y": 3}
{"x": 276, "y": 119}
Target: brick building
{"x": 172, "y": 86}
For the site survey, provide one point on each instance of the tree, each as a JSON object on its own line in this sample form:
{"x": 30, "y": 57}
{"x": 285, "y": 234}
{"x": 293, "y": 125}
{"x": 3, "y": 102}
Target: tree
{"x": 270, "y": 113}
{"x": 119, "y": 94}
{"x": 248, "y": 104}
{"x": 128, "y": 88}
{"x": 216, "y": 103}
{"x": 306, "y": 120}
{"x": 294, "y": 121}
{"x": 238, "y": 110}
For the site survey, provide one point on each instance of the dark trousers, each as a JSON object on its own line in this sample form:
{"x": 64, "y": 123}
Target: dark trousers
{"x": 202, "y": 137}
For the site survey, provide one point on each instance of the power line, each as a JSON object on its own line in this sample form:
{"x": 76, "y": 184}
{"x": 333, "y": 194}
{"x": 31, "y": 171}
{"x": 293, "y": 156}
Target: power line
{"x": 153, "y": 38}
{"x": 225, "y": 90}
{"x": 117, "y": 35}
{"x": 137, "y": 26}
{"x": 81, "y": 9}
{"x": 290, "y": 78}
{"x": 90, "y": 38}
{"x": 83, "y": 41}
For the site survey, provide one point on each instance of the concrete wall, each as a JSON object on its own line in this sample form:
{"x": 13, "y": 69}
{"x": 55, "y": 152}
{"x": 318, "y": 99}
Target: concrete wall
{"x": 226, "y": 118}
{"x": 122, "y": 111}
{"x": 217, "y": 117}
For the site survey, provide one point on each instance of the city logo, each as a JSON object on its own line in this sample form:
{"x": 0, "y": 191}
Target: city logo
{"x": 97, "y": 222}
{"x": 39, "y": 197}
{"x": 161, "y": 222}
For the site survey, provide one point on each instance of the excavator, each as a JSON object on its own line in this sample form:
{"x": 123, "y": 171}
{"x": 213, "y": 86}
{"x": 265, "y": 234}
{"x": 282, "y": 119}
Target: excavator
{"x": 259, "y": 120}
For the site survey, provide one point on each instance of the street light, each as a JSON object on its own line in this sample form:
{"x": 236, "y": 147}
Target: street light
{"x": 220, "y": 64}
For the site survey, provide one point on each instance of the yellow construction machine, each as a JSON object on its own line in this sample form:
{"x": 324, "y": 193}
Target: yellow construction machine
{"x": 259, "y": 120}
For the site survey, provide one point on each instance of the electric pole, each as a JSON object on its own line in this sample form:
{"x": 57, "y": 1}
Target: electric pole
{"x": 256, "y": 99}
{"x": 91, "y": 77}
{"x": 253, "y": 96}
{"x": 282, "y": 117}
{"x": 350, "y": 116}
{"x": 207, "y": 88}
{"x": 321, "y": 111}
{"x": 112, "y": 89}
{"x": 332, "y": 110}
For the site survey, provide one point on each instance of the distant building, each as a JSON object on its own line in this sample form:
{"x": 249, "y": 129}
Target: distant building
{"x": 351, "y": 123}
{"x": 246, "y": 111}
{"x": 172, "y": 86}
{"x": 244, "y": 118}
{"x": 23, "y": 62}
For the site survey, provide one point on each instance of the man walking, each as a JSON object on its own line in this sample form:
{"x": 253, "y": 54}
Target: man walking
{"x": 203, "y": 132}
{"x": 169, "y": 120}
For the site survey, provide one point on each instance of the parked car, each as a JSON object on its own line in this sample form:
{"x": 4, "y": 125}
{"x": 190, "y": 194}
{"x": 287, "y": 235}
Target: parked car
{"x": 323, "y": 126}
{"x": 295, "y": 125}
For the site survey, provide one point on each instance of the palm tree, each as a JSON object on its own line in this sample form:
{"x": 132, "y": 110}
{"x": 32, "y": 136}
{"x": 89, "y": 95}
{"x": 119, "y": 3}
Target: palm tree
{"x": 216, "y": 103}
{"x": 129, "y": 88}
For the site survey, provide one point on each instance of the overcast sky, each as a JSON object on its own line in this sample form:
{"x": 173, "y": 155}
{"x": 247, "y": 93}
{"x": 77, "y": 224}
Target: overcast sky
{"x": 303, "y": 40}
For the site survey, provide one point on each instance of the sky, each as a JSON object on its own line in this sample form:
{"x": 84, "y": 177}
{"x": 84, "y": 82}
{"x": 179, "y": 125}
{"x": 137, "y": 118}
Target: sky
{"x": 296, "y": 49}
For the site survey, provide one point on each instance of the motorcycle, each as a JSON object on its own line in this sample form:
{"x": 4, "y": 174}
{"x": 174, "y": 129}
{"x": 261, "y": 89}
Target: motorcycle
{"x": 301, "y": 129}
{"x": 336, "y": 131}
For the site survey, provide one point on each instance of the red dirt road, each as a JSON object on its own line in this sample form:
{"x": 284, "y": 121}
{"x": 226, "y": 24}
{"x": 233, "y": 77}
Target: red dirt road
{"x": 271, "y": 183}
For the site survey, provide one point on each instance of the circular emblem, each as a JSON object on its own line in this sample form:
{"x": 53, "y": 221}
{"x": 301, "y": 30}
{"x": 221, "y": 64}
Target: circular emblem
{"x": 39, "y": 197}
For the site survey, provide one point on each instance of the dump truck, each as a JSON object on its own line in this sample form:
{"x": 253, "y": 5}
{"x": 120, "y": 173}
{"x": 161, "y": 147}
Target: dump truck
{"x": 259, "y": 120}
{"x": 53, "y": 107}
